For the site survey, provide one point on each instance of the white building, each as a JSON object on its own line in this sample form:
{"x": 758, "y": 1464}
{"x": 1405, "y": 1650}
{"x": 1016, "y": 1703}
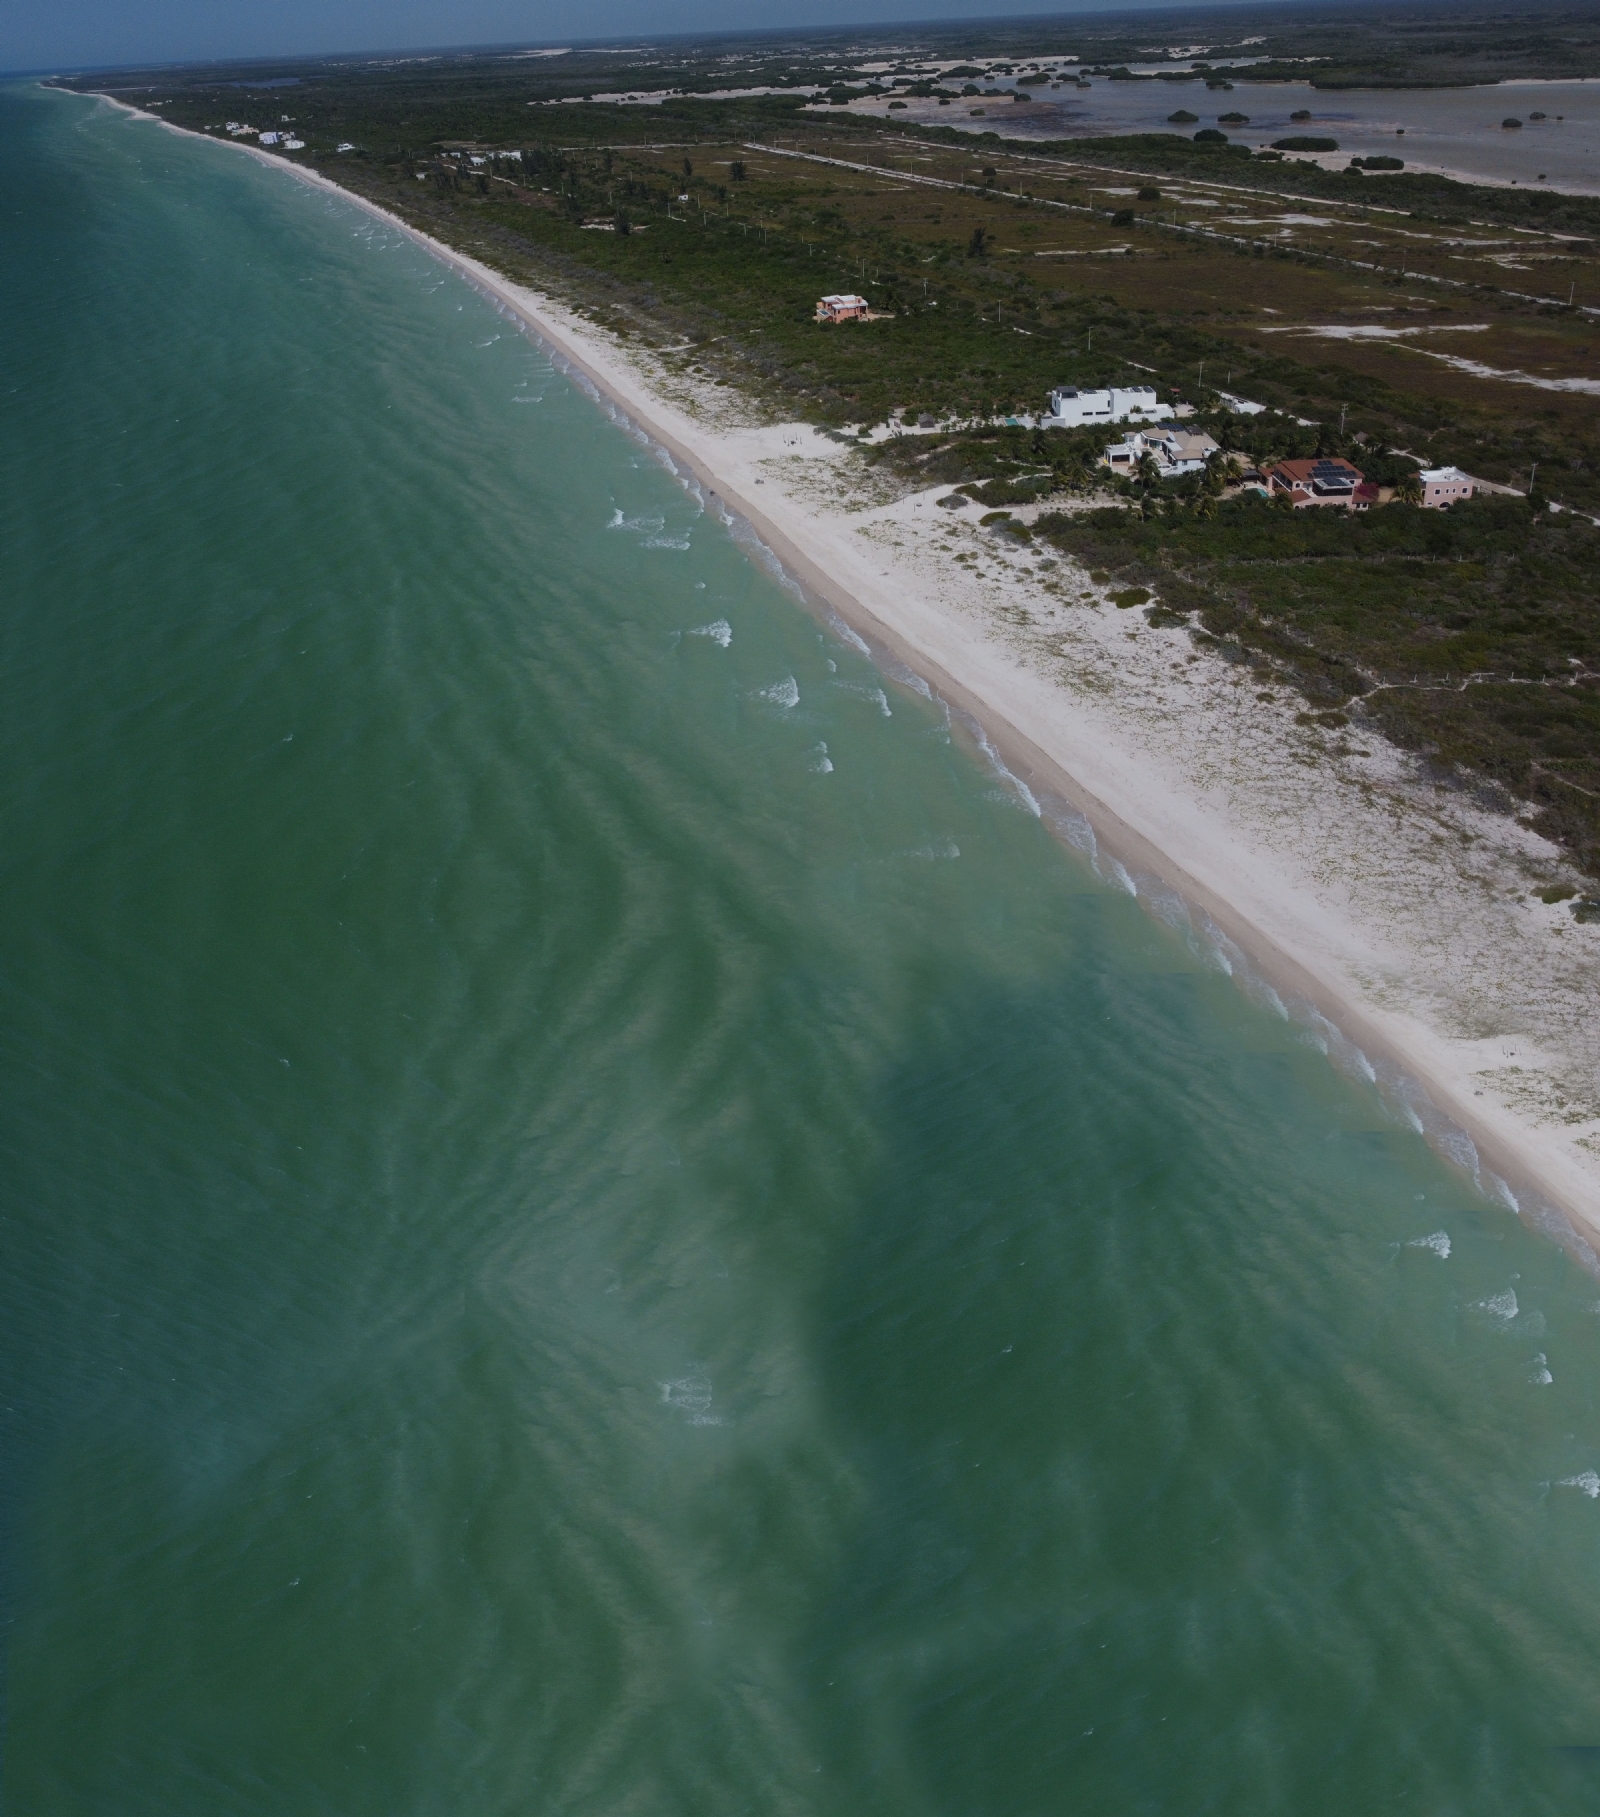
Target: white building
{"x": 270, "y": 138}
{"x": 1071, "y": 408}
{"x": 1442, "y": 486}
{"x": 1175, "y": 451}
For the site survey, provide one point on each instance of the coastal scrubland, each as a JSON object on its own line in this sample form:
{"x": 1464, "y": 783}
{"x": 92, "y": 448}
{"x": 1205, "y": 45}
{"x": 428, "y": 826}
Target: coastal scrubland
{"x": 697, "y": 200}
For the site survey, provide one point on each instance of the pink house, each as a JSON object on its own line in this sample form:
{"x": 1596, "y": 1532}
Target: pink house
{"x": 1442, "y": 486}
{"x": 842, "y": 309}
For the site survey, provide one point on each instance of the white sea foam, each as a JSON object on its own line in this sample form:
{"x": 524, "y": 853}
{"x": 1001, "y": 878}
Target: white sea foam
{"x": 1024, "y": 794}
{"x": 1169, "y": 905}
{"x": 1439, "y": 1243}
{"x": 846, "y": 635}
{"x": 937, "y": 848}
{"x": 1501, "y": 1305}
{"x": 1117, "y": 873}
{"x": 1588, "y": 1481}
{"x": 1540, "y": 1375}
{"x": 1458, "y": 1146}
{"x": 1504, "y": 1193}
{"x": 1074, "y": 828}
{"x": 720, "y": 632}
{"x": 691, "y": 1394}
{"x": 907, "y": 678}
{"x": 876, "y": 695}
{"x": 782, "y": 693}
{"x": 821, "y": 763}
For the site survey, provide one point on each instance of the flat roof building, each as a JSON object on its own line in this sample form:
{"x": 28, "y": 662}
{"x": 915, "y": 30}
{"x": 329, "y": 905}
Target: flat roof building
{"x": 1443, "y": 486}
{"x": 842, "y": 309}
{"x": 1071, "y": 408}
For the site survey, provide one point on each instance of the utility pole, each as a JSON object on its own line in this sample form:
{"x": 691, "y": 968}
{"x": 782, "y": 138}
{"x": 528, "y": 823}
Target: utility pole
{"x": 1531, "y": 472}
{"x": 1342, "y": 409}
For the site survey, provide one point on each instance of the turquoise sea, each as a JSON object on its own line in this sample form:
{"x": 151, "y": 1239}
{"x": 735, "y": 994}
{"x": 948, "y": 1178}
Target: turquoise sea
{"x": 594, "y": 1218}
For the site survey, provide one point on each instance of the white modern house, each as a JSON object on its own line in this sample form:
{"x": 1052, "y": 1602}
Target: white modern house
{"x": 1175, "y": 451}
{"x": 1442, "y": 486}
{"x": 1071, "y": 408}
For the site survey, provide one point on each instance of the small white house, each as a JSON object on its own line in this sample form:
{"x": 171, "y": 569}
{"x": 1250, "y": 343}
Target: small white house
{"x": 291, "y": 144}
{"x": 271, "y": 138}
{"x": 1442, "y": 486}
{"x": 1071, "y": 408}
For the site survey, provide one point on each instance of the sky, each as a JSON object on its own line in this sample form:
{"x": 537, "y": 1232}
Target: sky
{"x": 69, "y": 34}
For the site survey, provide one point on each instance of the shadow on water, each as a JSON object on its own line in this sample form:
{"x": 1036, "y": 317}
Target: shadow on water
{"x": 1189, "y": 1479}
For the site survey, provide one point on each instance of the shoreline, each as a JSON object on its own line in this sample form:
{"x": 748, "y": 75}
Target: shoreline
{"x": 1331, "y": 968}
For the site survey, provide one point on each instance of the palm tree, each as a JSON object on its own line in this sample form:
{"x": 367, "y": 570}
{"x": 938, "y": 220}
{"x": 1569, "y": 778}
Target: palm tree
{"x": 1409, "y": 490}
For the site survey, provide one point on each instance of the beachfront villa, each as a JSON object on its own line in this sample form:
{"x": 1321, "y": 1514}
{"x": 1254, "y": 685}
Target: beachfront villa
{"x": 1326, "y": 482}
{"x": 1071, "y": 408}
{"x": 1442, "y": 486}
{"x": 1175, "y": 451}
{"x": 843, "y": 309}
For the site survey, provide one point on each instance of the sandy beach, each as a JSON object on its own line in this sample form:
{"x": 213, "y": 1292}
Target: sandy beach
{"x": 1395, "y": 919}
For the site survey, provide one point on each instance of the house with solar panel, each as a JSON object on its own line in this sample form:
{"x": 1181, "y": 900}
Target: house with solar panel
{"x": 1326, "y": 482}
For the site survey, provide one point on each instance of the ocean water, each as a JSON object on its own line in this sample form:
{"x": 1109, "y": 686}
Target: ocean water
{"x": 595, "y": 1216}
{"x": 1458, "y": 130}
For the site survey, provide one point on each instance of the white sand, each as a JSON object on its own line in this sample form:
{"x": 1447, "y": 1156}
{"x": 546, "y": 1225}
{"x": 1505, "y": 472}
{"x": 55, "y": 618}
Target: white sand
{"x": 1401, "y": 912}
